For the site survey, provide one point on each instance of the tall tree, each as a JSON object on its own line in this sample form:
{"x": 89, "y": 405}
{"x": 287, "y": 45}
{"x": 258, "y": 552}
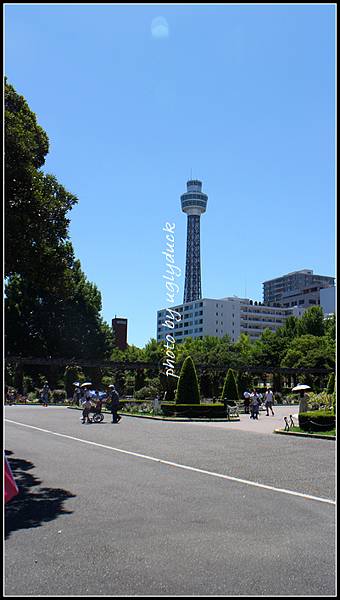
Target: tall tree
{"x": 36, "y": 243}
{"x": 50, "y": 307}
{"x": 312, "y": 322}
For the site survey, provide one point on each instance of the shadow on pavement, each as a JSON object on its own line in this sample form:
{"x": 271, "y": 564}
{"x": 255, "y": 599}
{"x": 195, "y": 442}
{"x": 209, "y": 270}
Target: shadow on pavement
{"x": 32, "y": 507}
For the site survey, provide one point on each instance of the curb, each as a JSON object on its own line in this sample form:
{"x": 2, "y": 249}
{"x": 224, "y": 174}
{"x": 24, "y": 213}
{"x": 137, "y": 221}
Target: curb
{"x": 309, "y": 435}
{"x": 176, "y": 419}
{"x": 159, "y": 418}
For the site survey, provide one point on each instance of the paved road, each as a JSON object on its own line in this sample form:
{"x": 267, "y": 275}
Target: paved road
{"x": 96, "y": 518}
{"x": 263, "y": 424}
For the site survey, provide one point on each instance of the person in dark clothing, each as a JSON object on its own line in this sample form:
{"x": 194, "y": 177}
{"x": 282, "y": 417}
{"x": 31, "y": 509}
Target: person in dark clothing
{"x": 114, "y": 404}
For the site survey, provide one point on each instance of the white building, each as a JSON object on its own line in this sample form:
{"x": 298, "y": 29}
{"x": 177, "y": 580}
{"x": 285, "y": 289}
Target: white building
{"x": 218, "y": 317}
{"x": 327, "y": 300}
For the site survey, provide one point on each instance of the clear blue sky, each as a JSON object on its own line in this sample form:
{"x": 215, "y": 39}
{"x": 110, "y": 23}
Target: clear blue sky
{"x": 240, "y": 96}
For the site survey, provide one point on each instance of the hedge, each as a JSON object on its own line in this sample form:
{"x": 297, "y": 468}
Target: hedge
{"x": 318, "y": 420}
{"x": 230, "y": 391}
{"x": 187, "y": 388}
{"x": 171, "y": 409}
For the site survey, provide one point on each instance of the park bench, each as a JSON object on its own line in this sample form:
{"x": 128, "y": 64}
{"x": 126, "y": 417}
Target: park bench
{"x": 231, "y": 408}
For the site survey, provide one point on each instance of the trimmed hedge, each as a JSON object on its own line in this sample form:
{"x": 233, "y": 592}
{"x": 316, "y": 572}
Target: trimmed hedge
{"x": 187, "y": 388}
{"x": 230, "y": 391}
{"x": 318, "y": 420}
{"x": 171, "y": 409}
{"x": 58, "y": 396}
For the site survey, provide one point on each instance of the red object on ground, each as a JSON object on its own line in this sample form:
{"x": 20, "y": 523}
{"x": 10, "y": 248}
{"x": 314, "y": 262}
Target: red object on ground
{"x": 11, "y": 488}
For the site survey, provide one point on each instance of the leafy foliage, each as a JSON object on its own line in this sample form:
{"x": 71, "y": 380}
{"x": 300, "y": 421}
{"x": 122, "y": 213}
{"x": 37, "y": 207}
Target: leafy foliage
{"x": 187, "y": 388}
{"x": 230, "y": 391}
{"x": 50, "y": 307}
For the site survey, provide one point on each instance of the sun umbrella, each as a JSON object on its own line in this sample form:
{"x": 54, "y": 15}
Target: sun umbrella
{"x": 76, "y": 383}
{"x": 101, "y": 394}
{"x": 301, "y": 387}
{"x": 87, "y": 383}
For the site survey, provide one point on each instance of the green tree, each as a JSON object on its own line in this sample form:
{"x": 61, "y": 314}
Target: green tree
{"x": 230, "y": 391}
{"x": 36, "y": 241}
{"x": 331, "y": 384}
{"x": 312, "y": 322}
{"x": 50, "y": 307}
{"x": 187, "y": 388}
{"x": 269, "y": 349}
{"x": 330, "y": 326}
{"x": 310, "y": 351}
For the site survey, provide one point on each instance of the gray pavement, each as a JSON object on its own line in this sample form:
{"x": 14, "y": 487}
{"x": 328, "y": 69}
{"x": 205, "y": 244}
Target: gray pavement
{"x": 92, "y": 520}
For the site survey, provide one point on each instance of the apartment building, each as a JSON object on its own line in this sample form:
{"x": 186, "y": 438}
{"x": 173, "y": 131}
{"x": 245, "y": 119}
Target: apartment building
{"x": 218, "y": 317}
{"x": 299, "y": 288}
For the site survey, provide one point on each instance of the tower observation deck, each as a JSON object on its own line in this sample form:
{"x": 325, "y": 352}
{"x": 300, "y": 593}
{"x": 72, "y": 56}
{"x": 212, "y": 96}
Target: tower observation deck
{"x": 194, "y": 204}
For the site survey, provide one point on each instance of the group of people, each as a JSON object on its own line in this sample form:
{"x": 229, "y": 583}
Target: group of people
{"x": 95, "y": 403}
{"x": 253, "y": 401}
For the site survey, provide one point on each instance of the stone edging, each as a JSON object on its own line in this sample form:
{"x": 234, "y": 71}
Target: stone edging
{"x": 309, "y": 435}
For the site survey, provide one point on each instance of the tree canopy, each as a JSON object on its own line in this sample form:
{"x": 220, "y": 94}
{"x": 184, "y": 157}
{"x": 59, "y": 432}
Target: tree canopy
{"x": 51, "y": 309}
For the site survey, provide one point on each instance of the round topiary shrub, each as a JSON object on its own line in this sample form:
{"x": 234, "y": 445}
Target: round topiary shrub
{"x": 187, "y": 388}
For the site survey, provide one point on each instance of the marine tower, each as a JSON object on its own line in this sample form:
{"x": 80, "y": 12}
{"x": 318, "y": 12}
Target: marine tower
{"x": 194, "y": 204}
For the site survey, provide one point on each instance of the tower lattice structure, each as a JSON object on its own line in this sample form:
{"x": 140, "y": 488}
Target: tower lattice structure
{"x": 194, "y": 204}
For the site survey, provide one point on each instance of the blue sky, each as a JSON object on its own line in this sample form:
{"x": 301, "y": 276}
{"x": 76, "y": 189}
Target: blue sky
{"x": 137, "y": 99}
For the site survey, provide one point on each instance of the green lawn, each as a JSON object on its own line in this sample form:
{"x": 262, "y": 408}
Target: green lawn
{"x": 298, "y": 430}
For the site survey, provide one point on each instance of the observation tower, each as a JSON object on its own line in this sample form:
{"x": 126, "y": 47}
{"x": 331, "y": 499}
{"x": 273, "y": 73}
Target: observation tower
{"x": 194, "y": 204}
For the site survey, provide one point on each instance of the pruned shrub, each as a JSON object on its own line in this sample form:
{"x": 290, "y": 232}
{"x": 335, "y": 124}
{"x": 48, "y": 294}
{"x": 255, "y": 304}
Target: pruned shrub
{"x": 212, "y": 411}
{"x": 318, "y": 420}
{"x": 230, "y": 391}
{"x": 187, "y": 389}
{"x": 58, "y": 396}
{"x": 146, "y": 392}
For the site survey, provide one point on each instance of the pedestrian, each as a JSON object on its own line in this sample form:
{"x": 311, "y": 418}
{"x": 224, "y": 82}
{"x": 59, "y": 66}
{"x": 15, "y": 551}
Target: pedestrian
{"x": 254, "y": 405}
{"x": 268, "y": 401}
{"x": 114, "y": 404}
{"x": 87, "y": 405}
{"x": 45, "y": 394}
{"x": 99, "y": 402}
{"x": 156, "y": 405}
{"x": 246, "y": 397}
{"x": 77, "y": 396}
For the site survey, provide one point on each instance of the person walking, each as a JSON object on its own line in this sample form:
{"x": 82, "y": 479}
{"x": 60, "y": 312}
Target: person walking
{"x": 268, "y": 401}
{"x": 114, "y": 404}
{"x": 45, "y": 394}
{"x": 87, "y": 405}
{"x": 246, "y": 397}
{"x": 254, "y": 405}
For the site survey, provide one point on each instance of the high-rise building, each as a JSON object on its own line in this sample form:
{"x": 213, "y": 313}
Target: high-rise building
{"x": 299, "y": 288}
{"x": 119, "y": 328}
{"x": 194, "y": 204}
{"x": 221, "y": 316}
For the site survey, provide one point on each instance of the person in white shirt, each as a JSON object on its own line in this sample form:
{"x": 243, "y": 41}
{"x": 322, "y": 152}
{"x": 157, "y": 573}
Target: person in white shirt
{"x": 254, "y": 405}
{"x": 268, "y": 402}
{"x": 246, "y": 397}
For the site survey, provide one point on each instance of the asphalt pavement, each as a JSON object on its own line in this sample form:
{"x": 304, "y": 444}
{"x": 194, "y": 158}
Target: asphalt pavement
{"x": 152, "y": 508}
